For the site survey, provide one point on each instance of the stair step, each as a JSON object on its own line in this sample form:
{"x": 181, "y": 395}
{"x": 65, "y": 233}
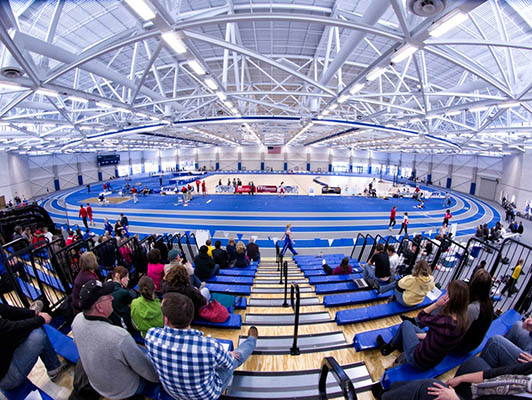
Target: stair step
{"x": 319, "y": 317}
{"x": 276, "y": 281}
{"x": 274, "y": 290}
{"x": 284, "y": 385}
{"x": 312, "y": 343}
{"x": 278, "y": 302}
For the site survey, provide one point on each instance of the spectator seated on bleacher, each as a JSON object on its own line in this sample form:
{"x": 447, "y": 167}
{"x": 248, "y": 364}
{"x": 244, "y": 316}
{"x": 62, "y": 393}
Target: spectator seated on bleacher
{"x": 174, "y": 258}
{"x": 88, "y": 265}
{"x": 122, "y": 298}
{"x": 115, "y": 366}
{"x": 446, "y": 328}
{"x": 155, "y": 268}
{"x": 515, "y": 346}
{"x": 393, "y": 258}
{"x": 190, "y": 365}
{"x": 219, "y": 255}
{"x": 146, "y": 309}
{"x": 178, "y": 281}
{"x": 473, "y": 380}
{"x": 343, "y": 269}
{"x": 377, "y": 272}
{"x": 412, "y": 289}
{"x": 479, "y": 312}
{"x": 252, "y": 250}
{"x": 205, "y": 268}
{"x": 23, "y": 342}
{"x": 241, "y": 260}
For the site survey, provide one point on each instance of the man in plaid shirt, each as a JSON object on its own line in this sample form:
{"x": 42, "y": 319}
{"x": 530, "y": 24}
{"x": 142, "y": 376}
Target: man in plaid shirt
{"x": 190, "y": 365}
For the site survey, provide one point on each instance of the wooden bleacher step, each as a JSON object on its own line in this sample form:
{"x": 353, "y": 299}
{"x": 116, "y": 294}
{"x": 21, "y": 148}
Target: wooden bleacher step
{"x": 317, "y": 342}
{"x": 319, "y": 317}
{"x": 276, "y": 273}
{"x": 278, "y": 290}
{"x": 270, "y": 281}
{"x": 284, "y": 385}
{"x": 278, "y": 302}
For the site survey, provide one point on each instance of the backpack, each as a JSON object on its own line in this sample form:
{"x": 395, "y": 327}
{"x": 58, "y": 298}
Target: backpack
{"x": 214, "y": 312}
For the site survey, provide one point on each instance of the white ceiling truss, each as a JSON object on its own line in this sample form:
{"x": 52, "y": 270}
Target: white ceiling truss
{"x": 361, "y": 74}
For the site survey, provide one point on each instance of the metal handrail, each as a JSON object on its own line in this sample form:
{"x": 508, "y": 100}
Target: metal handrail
{"x": 294, "y": 290}
{"x": 355, "y": 244}
{"x": 366, "y": 238}
{"x": 285, "y": 267}
{"x": 329, "y": 364}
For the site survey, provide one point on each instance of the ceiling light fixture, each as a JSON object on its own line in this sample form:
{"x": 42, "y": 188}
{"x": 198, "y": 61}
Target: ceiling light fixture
{"x": 448, "y": 22}
{"x": 103, "y": 104}
{"x": 196, "y": 67}
{"x": 78, "y": 99}
{"x": 211, "y": 83}
{"x": 174, "y": 42}
{"x": 9, "y": 85}
{"x": 343, "y": 98}
{"x": 455, "y": 112}
{"x": 142, "y": 9}
{"x": 47, "y": 92}
{"x": 375, "y": 73}
{"x": 357, "y": 87}
{"x": 221, "y": 95}
{"x": 509, "y": 104}
{"x": 478, "y": 108}
{"x": 403, "y": 53}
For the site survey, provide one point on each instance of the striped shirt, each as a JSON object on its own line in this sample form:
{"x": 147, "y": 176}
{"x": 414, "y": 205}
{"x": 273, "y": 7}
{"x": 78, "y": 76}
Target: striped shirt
{"x": 442, "y": 337}
{"x": 187, "y": 362}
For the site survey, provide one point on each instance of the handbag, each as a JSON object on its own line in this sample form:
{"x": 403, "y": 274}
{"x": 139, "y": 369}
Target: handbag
{"x": 214, "y": 312}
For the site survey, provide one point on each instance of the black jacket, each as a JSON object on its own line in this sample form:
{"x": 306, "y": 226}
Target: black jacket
{"x": 253, "y": 251}
{"x": 220, "y": 257}
{"x": 204, "y": 266}
{"x": 15, "y": 326}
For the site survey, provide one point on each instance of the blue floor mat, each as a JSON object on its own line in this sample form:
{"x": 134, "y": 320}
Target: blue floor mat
{"x": 337, "y": 300}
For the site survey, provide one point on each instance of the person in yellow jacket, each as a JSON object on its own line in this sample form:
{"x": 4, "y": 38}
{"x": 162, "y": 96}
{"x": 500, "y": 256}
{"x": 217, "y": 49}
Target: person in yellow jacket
{"x": 510, "y": 285}
{"x": 412, "y": 289}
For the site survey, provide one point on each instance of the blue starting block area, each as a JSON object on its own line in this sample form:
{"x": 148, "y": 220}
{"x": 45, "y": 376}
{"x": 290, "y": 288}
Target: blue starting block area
{"x": 407, "y": 373}
{"x": 336, "y": 287}
{"x": 353, "y": 316}
{"x": 366, "y": 296}
{"x": 233, "y": 322}
{"x": 315, "y": 280}
{"x": 237, "y": 280}
{"x": 238, "y": 290}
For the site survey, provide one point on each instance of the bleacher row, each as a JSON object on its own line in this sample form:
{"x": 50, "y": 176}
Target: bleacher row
{"x": 51, "y": 270}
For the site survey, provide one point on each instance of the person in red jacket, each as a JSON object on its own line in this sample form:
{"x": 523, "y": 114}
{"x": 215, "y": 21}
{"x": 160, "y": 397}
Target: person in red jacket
{"x": 392, "y": 218}
{"x": 204, "y": 188}
{"x": 83, "y": 215}
{"x": 197, "y": 185}
{"x": 23, "y": 341}
{"x": 446, "y": 219}
{"x": 89, "y": 214}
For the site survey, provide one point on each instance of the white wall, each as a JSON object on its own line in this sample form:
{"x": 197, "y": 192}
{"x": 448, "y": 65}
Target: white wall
{"x": 33, "y": 176}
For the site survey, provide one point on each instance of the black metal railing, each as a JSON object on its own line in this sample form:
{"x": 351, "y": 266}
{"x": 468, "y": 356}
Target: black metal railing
{"x": 355, "y": 244}
{"x": 285, "y": 269}
{"x": 295, "y": 300}
{"x": 329, "y": 364}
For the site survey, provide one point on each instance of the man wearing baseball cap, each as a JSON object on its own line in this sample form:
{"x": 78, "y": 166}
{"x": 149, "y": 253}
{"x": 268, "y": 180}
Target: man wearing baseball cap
{"x": 116, "y": 367}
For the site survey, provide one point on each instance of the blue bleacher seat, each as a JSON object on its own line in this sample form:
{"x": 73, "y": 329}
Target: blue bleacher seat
{"x": 407, "y": 373}
{"x": 29, "y": 290}
{"x": 241, "y": 303}
{"x": 238, "y": 272}
{"x": 368, "y": 340}
{"x": 354, "y": 298}
{"x": 314, "y": 280}
{"x": 336, "y": 287}
{"x": 63, "y": 345}
{"x": 345, "y": 317}
{"x": 23, "y": 391}
{"x": 46, "y": 279}
{"x": 238, "y": 280}
{"x": 233, "y": 322}
{"x": 242, "y": 290}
